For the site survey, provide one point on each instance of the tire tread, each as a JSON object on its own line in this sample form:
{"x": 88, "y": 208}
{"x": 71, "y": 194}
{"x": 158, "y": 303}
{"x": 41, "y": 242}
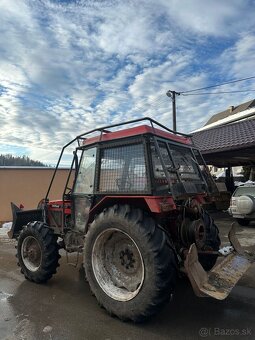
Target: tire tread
{"x": 163, "y": 259}
{"x": 50, "y": 255}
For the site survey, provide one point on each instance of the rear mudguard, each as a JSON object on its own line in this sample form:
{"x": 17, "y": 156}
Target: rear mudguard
{"x": 219, "y": 282}
{"x": 21, "y": 218}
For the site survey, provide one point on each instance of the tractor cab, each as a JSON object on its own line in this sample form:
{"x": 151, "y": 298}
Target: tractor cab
{"x": 136, "y": 163}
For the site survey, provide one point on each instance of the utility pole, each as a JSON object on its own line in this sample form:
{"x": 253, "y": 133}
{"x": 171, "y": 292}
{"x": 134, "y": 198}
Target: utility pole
{"x": 173, "y": 94}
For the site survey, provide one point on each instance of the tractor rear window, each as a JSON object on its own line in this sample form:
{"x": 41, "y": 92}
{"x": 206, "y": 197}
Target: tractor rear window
{"x": 123, "y": 169}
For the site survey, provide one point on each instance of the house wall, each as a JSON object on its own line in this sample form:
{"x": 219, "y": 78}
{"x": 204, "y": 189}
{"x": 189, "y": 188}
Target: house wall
{"x": 28, "y": 186}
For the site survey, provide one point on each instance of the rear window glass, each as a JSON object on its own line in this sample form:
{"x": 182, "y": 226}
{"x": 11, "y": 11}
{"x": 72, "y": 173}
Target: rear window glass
{"x": 123, "y": 169}
{"x": 245, "y": 191}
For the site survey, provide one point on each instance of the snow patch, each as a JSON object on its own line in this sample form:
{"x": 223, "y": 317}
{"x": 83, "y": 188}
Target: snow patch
{"x": 4, "y": 231}
{"x": 7, "y": 225}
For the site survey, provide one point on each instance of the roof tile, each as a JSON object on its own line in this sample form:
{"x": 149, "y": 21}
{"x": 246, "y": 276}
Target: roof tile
{"x": 232, "y": 136}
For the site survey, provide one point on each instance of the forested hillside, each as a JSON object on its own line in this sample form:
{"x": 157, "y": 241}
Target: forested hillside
{"x": 10, "y": 160}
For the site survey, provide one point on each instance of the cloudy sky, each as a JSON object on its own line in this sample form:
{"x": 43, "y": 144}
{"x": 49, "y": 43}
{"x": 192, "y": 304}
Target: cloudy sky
{"x": 70, "y": 66}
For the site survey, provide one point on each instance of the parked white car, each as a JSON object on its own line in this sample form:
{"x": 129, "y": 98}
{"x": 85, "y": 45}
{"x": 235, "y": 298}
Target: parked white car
{"x": 242, "y": 204}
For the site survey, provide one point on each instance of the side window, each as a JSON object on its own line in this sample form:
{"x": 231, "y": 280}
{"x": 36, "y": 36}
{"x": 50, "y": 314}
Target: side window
{"x": 86, "y": 175}
{"x": 123, "y": 169}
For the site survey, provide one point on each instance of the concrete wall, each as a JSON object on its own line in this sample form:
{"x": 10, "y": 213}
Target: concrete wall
{"x": 28, "y": 185}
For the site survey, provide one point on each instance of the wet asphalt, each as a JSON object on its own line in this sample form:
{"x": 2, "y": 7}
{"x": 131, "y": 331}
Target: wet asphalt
{"x": 65, "y": 309}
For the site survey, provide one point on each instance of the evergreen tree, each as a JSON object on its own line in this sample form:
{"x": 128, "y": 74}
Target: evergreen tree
{"x": 10, "y": 160}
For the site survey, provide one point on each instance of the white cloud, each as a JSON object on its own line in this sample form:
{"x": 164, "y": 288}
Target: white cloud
{"x": 127, "y": 29}
{"x": 70, "y": 67}
{"x": 238, "y": 60}
{"x": 213, "y": 17}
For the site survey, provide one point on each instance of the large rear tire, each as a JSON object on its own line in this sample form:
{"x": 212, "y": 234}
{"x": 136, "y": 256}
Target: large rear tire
{"x": 212, "y": 242}
{"x": 37, "y": 252}
{"x": 130, "y": 267}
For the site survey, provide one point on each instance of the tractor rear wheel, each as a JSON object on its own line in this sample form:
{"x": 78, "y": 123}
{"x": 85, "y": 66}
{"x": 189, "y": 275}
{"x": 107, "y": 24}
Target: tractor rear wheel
{"x": 129, "y": 264}
{"x": 37, "y": 252}
{"x": 212, "y": 242}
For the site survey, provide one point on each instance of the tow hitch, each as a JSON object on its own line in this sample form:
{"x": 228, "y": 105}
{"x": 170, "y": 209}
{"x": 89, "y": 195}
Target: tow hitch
{"x": 219, "y": 282}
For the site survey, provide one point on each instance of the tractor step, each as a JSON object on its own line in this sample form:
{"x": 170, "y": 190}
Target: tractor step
{"x": 219, "y": 282}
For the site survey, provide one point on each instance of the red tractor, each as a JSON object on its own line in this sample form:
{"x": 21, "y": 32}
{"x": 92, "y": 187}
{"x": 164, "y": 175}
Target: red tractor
{"x": 135, "y": 211}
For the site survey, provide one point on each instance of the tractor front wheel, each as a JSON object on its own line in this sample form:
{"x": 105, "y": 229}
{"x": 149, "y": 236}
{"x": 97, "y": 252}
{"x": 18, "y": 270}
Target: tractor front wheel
{"x": 37, "y": 252}
{"x": 130, "y": 267}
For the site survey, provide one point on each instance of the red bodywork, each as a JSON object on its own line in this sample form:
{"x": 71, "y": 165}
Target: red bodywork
{"x": 154, "y": 204}
{"x": 55, "y": 216}
{"x": 56, "y": 205}
{"x": 139, "y": 130}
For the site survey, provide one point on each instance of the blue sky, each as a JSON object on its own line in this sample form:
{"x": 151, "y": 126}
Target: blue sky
{"x": 71, "y": 66}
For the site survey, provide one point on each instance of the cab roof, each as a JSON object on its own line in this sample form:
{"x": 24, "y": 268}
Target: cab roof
{"x": 106, "y": 136}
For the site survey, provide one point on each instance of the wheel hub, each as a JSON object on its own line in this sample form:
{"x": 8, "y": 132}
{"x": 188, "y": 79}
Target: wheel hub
{"x": 31, "y": 253}
{"x": 127, "y": 258}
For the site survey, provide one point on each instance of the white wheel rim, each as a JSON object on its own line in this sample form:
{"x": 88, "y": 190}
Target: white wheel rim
{"x": 31, "y": 253}
{"x": 117, "y": 264}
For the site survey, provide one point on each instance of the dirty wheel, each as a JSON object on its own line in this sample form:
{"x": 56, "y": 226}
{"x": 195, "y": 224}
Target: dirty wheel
{"x": 129, "y": 265}
{"x": 117, "y": 264}
{"x": 212, "y": 242}
{"x": 37, "y": 252}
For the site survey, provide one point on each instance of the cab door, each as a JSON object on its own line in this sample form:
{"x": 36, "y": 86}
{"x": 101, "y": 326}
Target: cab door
{"x": 84, "y": 188}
